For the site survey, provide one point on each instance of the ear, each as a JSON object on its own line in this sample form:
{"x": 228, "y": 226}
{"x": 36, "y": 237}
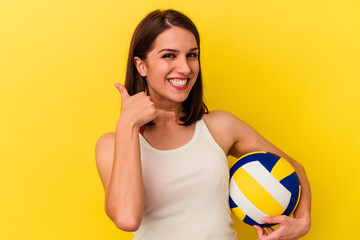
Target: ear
{"x": 140, "y": 66}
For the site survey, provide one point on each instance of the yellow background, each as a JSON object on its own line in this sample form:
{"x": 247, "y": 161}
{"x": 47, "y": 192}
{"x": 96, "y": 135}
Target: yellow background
{"x": 291, "y": 69}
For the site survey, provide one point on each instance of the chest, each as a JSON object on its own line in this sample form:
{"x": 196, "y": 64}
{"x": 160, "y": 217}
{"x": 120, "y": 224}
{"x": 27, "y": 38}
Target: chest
{"x": 184, "y": 176}
{"x": 166, "y": 138}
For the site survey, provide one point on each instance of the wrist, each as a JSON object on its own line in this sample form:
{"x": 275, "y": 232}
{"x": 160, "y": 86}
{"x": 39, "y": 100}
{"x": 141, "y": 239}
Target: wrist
{"x": 127, "y": 123}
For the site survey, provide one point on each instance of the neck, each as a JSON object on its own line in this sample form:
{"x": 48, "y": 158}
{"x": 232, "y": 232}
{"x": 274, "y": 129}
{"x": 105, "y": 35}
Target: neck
{"x": 175, "y": 107}
{"x": 166, "y": 121}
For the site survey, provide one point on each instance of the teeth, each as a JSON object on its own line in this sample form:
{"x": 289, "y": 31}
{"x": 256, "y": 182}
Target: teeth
{"x": 178, "y": 82}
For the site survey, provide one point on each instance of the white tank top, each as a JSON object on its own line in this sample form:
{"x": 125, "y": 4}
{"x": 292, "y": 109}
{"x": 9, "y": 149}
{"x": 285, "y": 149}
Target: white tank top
{"x": 186, "y": 191}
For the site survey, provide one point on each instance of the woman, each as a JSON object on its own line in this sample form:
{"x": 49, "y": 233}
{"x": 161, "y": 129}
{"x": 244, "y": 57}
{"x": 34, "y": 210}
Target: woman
{"x": 164, "y": 170}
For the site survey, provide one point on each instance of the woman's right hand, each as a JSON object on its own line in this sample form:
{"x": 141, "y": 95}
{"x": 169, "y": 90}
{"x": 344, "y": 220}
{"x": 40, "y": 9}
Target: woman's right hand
{"x": 139, "y": 109}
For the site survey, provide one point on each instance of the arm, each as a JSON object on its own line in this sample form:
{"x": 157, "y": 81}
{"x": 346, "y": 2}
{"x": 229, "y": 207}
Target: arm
{"x": 290, "y": 228}
{"x": 245, "y": 139}
{"x": 119, "y": 164}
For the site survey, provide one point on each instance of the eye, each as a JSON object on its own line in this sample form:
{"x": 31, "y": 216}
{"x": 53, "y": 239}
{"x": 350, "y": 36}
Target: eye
{"x": 192, "y": 55}
{"x": 168, "y": 55}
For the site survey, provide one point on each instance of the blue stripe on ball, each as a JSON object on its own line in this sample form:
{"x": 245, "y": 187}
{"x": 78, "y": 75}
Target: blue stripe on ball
{"x": 266, "y": 225}
{"x": 292, "y": 203}
{"x": 249, "y": 221}
{"x": 291, "y": 182}
{"x": 267, "y": 159}
{"x": 232, "y": 203}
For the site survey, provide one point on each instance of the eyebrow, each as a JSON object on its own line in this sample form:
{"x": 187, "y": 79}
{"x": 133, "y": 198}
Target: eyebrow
{"x": 174, "y": 50}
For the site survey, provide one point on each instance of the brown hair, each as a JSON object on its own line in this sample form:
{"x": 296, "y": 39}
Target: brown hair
{"x": 142, "y": 43}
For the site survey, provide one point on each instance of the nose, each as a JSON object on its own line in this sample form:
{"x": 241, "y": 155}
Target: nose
{"x": 182, "y": 66}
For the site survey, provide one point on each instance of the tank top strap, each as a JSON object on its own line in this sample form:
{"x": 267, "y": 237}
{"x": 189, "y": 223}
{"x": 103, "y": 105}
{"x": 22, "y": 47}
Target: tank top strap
{"x": 205, "y": 130}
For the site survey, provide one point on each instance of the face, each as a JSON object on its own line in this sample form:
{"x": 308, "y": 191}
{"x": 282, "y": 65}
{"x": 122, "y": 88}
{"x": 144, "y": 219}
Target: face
{"x": 172, "y": 66}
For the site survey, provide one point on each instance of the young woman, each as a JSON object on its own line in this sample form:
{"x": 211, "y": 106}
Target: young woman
{"x": 164, "y": 169}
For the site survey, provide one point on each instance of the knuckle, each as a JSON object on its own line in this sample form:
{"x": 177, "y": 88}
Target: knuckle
{"x": 152, "y": 111}
{"x": 146, "y": 99}
{"x": 151, "y": 106}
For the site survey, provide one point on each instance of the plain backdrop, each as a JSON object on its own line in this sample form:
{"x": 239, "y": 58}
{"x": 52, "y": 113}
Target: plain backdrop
{"x": 290, "y": 69}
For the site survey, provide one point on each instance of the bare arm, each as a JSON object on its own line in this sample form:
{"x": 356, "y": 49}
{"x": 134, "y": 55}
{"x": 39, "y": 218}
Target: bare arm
{"x": 242, "y": 139}
{"x": 119, "y": 166}
{"x": 118, "y": 161}
{"x": 248, "y": 140}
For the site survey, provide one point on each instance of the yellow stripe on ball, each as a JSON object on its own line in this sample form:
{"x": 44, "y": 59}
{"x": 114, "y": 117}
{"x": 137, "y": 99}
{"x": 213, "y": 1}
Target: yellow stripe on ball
{"x": 251, "y": 153}
{"x": 239, "y": 213}
{"x": 282, "y": 169}
{"x": 252, "y": 190}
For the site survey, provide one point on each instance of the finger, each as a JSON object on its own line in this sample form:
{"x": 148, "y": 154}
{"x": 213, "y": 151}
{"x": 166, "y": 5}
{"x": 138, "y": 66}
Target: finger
{"x": 271, "y": 236}
{"x": 270, "y": 229}
{"x": 123, "y": 91}
{"x": 275, "y": 219}
{"x": 164, "y": 113}
{"x": 260, "y": 231}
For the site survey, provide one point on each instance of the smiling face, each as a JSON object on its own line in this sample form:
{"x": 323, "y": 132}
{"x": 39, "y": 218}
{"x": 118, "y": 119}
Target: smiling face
{"x": 172, "y": 66}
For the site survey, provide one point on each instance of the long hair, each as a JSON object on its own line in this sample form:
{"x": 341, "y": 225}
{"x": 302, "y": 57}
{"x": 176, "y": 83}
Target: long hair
{"x": 142, "y": 43}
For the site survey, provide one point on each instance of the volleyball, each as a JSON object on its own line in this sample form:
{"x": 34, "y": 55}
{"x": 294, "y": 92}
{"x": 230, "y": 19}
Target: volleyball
{"x": 263, "y": 184}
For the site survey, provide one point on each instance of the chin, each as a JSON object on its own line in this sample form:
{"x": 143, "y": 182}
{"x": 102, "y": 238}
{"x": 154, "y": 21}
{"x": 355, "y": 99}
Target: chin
{"x": 181, "y": 99}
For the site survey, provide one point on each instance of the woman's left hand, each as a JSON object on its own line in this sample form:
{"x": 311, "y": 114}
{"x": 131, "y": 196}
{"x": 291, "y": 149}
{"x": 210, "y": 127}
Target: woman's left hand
{"x": 289, "y": 228}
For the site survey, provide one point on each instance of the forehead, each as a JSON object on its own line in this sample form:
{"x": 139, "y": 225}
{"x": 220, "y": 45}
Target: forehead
{"x": 175, "y": 38}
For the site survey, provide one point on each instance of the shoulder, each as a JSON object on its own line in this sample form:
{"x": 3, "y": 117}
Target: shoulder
{"x": 234, "y": 135}
{"x": 219, "y": 114}
{"x": 105, "y": 141}
{"x": 222, "y": 120}
{"x": 106, "y": 137}
{"x": 224, "y": 127}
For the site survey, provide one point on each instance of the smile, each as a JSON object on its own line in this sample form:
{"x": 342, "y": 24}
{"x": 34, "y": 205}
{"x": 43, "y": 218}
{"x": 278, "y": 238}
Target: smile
{"x": 179, "y": 83}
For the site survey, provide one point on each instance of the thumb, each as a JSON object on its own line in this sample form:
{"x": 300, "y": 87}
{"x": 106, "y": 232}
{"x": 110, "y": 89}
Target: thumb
{"x": 123, "y": 91}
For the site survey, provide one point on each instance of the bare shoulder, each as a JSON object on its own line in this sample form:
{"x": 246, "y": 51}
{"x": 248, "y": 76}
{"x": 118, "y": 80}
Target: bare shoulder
{"x": 223, "y": 121}
{"x": 219, "y": 115}
{"x": 234, "y": 135}
{"x": 221, "y": 125}
{"x": 104, "y": 143}
{"x": 104, "y": 154}
{"x": 106, "y": 137}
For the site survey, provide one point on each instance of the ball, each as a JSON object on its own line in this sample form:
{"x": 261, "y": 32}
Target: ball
{"x": 263, "y": 184}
